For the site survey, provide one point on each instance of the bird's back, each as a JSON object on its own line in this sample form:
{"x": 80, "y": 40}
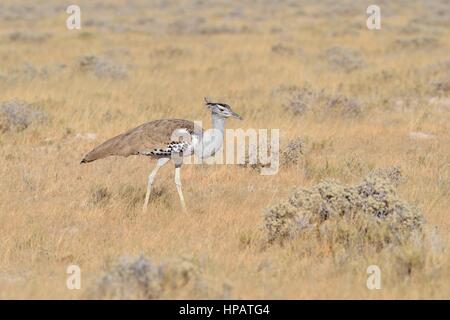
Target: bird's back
{"x": 142, "y": 140}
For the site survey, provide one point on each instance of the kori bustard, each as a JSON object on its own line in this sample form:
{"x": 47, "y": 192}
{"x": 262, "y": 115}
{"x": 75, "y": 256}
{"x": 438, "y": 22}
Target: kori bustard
{"x": 167, "y": 139}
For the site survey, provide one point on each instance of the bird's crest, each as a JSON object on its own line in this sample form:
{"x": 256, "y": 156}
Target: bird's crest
{"x": 210, "y": 104}
{"x": 221, "y": 109}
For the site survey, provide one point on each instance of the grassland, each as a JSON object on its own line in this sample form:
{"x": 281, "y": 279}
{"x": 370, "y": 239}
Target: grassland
{"x": 159, "y": 60}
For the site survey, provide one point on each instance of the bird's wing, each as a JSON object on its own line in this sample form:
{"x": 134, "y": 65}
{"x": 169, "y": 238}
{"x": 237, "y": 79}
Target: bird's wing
{"x": 157, "y": 134}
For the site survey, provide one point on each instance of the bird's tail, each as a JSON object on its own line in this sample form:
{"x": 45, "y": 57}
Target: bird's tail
{"x": 92, "y": 156}
{"x": 108, "y": 148}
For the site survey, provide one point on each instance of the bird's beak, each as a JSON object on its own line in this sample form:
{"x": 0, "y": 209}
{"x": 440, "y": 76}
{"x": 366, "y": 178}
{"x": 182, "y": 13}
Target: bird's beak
{"x": 235, "y": 115}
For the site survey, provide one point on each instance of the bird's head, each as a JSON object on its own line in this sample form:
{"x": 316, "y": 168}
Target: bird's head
{"x": 222, "y": 109}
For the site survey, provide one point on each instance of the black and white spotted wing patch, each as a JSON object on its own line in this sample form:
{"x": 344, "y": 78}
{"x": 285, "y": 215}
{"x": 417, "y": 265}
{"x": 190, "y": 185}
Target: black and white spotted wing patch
{"x": 174, "y": 147}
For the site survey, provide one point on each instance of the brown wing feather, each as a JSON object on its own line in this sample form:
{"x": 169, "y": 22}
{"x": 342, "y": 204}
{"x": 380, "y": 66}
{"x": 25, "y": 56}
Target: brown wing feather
{"x": 140, "y": 140}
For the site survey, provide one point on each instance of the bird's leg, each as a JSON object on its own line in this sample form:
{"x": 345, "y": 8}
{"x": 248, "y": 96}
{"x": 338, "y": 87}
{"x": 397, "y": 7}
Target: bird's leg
{"x": 178, "y": 184}
{"x": 151, "y": 177}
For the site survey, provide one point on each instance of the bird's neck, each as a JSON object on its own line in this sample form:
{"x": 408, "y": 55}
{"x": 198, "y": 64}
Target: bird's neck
{"x": 218, "y": 123}
{"x": 213, "y": 138}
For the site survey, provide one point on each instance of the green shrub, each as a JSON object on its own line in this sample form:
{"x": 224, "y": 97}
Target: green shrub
{"x": 363, "y": 218}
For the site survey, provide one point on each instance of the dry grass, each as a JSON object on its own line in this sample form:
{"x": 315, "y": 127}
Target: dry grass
{"x": 155, "y": 60}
